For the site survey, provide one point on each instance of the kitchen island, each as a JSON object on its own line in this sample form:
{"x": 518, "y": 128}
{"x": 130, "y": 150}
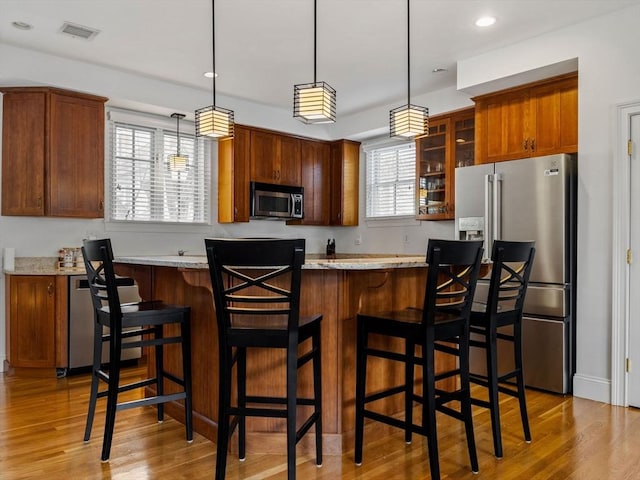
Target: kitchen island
{"x": 338, "y": 288}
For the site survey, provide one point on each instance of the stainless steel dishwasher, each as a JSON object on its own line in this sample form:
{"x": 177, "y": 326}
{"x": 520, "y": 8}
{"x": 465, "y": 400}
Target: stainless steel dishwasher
{"x": 81, "y": 321}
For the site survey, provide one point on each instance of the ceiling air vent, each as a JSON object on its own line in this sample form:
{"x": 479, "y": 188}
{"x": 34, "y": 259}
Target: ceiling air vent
{"x": 78, "y": 31}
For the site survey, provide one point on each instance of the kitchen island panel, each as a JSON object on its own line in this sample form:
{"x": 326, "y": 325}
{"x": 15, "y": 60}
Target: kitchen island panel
{"x": 339, "y": 295}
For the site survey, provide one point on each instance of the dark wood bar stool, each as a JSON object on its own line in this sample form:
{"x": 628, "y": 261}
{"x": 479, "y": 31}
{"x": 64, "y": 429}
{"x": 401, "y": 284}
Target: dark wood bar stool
{"x": 451, "y": 280}
{"x": 512, "y": 262}
{"x": 256, "y": 291}
{"x": 128, "y": 326}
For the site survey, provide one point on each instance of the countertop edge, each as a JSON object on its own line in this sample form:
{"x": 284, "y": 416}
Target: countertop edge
{"x": 363, "y": 263}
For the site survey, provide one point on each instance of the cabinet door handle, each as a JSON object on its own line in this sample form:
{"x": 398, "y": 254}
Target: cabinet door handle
{"x": 526, "y": 144}
{"x": 533, "y": 144}
{"x": 50, "y": 289}
{"x": 39, "y": 201}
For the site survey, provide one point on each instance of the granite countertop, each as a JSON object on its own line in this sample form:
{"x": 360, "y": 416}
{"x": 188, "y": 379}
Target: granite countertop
{"x": 42, "y": 266}
{"x": 343, "y": 261}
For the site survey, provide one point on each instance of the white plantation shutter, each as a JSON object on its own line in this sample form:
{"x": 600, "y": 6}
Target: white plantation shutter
{"x": 391, "y": 174}
{"x": 143, "y": 188}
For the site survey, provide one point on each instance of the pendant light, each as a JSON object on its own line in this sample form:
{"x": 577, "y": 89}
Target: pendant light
{"x": 177, "y": 161}
{"x": 409, "y": 120}
{"x": 314, "y": 102}
{"x": 214, "y": 121}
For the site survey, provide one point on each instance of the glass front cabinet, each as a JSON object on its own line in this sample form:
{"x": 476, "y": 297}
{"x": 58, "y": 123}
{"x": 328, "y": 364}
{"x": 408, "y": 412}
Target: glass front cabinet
{"x": 450, "y": 144}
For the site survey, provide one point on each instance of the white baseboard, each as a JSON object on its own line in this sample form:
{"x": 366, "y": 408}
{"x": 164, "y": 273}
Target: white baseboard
{"x": 592, "y": 388}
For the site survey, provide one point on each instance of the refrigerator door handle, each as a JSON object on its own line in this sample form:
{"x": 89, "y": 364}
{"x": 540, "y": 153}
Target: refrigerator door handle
{"x": 488, "y": 215}
{"x": 496, "y": 222}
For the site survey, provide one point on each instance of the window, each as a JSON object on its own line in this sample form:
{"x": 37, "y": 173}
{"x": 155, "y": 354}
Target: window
{"x": 391, "y": 176}
{"x": 143, "y": 185}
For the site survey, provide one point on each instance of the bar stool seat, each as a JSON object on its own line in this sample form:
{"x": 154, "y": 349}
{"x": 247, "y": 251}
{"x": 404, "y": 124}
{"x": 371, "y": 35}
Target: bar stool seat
{"x": 441, "y": 325}
{"x": 131, "y": 325}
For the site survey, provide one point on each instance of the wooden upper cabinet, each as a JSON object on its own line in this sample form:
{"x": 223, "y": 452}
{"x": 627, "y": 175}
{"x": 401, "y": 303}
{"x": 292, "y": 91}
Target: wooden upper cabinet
{"x": 52, "y": 153}
{"x": 532, "y": 120}
{"x": 275, "y": 158}
{"x": 289, "y": 161}
{"x": 233, "y": 176}
{"x": 315, "y": 170}
{"x": 345, "y": 171}
{"x": 450, "y": 144}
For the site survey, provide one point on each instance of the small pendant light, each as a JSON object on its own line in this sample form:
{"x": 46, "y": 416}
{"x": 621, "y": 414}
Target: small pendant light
{"x": 214, "y": 121}
{"x": 409, "y": 120}
{"x": 314, "y": 102}
{"x": 178, "y": 162}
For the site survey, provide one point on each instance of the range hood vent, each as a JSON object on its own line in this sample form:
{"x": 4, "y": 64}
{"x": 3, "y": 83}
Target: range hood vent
{"x": 78, "y": 31}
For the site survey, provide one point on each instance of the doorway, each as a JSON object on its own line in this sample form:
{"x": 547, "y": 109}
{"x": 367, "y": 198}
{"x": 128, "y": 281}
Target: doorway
{"x": 625, "y": 332}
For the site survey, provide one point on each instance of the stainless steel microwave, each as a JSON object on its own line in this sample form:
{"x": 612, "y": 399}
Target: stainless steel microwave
{"x": 276, "y": 201}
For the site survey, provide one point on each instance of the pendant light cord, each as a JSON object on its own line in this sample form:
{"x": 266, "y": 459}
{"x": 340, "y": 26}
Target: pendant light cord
{"x": 315, "y": 35}
{"x": 213, "y": 49}
{"x": 408, "y": 56}
{"x": 178, "y": 134}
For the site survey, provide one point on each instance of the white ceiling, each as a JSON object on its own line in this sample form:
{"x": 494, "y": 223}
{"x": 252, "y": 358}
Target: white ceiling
{"x": 264, "y": 47}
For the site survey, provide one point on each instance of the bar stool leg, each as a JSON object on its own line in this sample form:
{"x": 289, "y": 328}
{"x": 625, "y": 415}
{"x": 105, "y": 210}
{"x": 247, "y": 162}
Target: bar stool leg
{"x": 517, "y": 347}
{"x": 112, "y": 395}
{"x": 224, "y": 402}
{"x": 492, "y": 382}
{"x": 429, "y": 407}
{"x": 361, "y": 381}
{"x": 317, "y": 391}
{"x": 185, "y": 332}
{"x": 93, "y": 396}
{"x": 159, "y": 370}
{"x": 408, "y": 392}
{"x": 465, "y": 404}
{"x": 292, "y": 378}
{"x": 241, "y": 366}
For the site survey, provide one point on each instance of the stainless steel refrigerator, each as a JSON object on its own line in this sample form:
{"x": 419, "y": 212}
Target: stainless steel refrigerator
{"x": 529, "y": 199}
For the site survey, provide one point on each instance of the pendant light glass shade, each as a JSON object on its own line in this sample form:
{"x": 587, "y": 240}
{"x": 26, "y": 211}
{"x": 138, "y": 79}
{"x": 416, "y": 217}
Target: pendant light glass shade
{"x": 409, "y": 120}
{"x": 214, "y": 121}
{"x": 314, "y": 102}
{"x": 177, "y": 161}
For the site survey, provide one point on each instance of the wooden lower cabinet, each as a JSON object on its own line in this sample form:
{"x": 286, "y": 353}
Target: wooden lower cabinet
{"x": 339, "y": 295}
{"x": 36, "y": 321}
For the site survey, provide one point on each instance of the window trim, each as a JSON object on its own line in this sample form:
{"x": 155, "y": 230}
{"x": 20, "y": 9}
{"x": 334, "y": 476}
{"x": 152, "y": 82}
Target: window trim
{"x": 389, "y": 220}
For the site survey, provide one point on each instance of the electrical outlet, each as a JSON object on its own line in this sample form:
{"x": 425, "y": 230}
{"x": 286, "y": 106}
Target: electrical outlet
{"x": 405, "y": 238}
{"x": 358, "y": 240}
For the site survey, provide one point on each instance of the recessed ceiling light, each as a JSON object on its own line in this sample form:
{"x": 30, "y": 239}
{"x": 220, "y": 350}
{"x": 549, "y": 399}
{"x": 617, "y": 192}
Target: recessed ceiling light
{"x": 22, "y": 25}
{"x": 485, "y": 21}
{"x": 439, "y": 70}
{"x": 210, "y": 74}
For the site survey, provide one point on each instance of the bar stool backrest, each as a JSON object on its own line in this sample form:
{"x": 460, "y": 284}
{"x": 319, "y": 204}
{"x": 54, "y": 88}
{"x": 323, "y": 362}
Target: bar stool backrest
{"x": 451, "y": 278}
{"x": 247, "y": 280}
{"x": 512, "y": 262}
{"x": 98, "y": 261}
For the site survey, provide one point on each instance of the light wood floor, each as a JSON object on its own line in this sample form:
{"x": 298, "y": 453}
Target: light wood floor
{"x": 42, "y": 423}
